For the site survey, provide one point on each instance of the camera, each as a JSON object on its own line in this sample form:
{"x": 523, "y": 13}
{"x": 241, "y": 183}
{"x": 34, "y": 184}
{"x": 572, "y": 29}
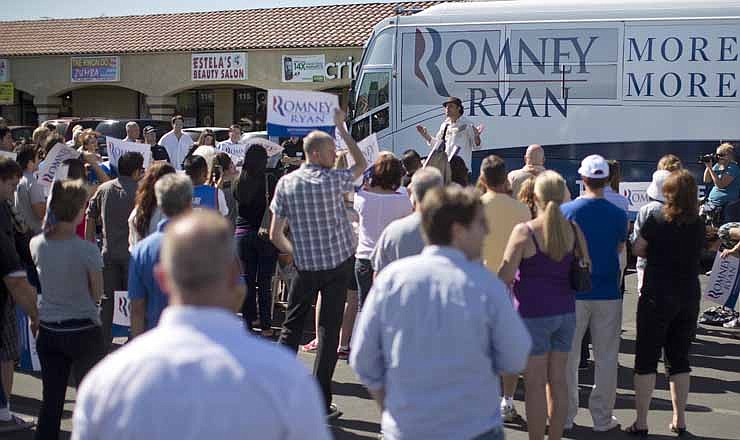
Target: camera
{"x": 217, "y": 171}
{"x": 706, "y": 158}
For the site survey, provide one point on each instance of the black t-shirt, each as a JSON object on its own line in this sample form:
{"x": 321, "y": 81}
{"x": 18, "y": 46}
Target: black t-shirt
{"x": 673, "y": 254}
{"x": 160, "y": 153}
{"x": 249, "y": 193}
{"x": 9, "y": 260}
{"x": 292, "y": 149}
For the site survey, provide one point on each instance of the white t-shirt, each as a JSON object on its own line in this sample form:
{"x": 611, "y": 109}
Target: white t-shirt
{"x": 376, "y": 212}
{"x": 460, "y": 133}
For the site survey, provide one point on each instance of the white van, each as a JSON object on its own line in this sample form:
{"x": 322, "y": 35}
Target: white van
{"x": 630, "y": 80}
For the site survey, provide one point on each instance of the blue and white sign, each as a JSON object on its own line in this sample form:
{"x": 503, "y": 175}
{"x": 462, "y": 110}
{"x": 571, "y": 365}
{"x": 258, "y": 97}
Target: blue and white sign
{"x": 118, "y": 147}
{"x": 298, "y": 112}
{"x": 724, "y": 284}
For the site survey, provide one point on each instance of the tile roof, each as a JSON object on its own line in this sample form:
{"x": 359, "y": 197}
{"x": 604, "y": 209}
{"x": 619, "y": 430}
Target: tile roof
{"x": 319, "y": 26}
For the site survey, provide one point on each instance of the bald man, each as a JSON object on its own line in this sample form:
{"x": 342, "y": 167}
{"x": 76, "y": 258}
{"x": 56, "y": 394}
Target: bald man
{"x": 199, "y": 374}
{"x": 534, "y": 161}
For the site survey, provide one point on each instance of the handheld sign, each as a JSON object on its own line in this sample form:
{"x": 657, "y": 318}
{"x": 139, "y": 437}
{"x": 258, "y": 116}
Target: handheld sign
{"x": 118, "y": 147}
{"x": 724, "y": 283}
{"x": 54, "y": 158}
{"x": 298, "y": 112}
{"x": 121, "y": 308}
{"x": 8, "y": 154}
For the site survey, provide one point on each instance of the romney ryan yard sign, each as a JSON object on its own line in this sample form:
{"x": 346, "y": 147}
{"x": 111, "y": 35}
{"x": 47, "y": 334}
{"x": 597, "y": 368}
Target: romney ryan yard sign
{"x": 219, "y": 66}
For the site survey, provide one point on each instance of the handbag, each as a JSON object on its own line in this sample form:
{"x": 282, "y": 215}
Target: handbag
{"x": 580, "y": 268}
{"x": 264, "y": 231}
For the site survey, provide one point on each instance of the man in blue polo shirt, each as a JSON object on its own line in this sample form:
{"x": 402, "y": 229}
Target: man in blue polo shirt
{"x": 599, "y": 310}
{"x": 174, "y": 193}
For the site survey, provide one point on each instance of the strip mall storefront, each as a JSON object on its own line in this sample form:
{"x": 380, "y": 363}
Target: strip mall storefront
{"x": 208, "y": 89}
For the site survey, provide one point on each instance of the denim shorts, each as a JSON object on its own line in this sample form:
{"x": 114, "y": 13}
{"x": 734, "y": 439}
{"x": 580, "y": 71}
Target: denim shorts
{"x": 551, "y": 333}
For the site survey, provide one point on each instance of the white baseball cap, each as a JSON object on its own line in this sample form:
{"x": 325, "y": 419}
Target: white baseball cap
{"x": 655, "y": 189}
{"x": 594, "y": 167}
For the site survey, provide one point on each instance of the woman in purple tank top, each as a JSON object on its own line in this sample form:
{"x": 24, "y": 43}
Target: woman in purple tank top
{"x": 536, "y": 265}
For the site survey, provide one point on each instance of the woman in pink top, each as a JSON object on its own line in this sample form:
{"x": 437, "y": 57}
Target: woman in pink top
{"x": 377, "y": 205}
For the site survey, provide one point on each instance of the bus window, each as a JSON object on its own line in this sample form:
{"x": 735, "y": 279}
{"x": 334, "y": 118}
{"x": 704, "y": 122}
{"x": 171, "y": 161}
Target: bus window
{"x": 380, "y": 120}
{"x": 361, "y": 129}
{"x": 381, "y": 51}
{"x": 373, "y": 91}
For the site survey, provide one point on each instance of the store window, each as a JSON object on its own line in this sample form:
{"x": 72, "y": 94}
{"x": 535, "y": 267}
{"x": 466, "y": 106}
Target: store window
{"x": 22, "y": 112}
{"x": 196, "y": 107}
{"x": 250, "y": 109}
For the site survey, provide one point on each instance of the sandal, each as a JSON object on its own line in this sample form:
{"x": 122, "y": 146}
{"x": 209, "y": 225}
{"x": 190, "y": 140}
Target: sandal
{"x": 634, "y": 431}
{"x": 680, "y": 432}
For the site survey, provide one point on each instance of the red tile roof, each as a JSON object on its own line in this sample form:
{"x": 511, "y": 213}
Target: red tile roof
{"x": 320, "y": 26}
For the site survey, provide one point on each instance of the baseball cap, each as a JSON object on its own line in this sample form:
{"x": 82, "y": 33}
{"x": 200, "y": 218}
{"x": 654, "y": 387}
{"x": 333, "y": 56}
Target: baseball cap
{"x": 453, "y": 100}
{"x": 655, "y": 189}
{"x": 594, "y": 167}
{"x": 149, "y": 129}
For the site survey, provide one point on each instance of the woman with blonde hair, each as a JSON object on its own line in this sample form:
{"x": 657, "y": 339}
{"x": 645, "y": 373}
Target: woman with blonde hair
{"x": 543, "y": 251}
{"x": 669, "y": 162}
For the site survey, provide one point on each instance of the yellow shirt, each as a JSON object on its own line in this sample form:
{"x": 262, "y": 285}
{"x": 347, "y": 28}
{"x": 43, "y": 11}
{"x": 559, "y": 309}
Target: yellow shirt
{"x": 502, "y": 214}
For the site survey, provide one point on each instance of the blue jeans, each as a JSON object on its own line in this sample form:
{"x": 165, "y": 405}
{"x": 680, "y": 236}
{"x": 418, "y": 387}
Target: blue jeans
{"x": 364, "y": 276}
{"x": 258, "y": 258}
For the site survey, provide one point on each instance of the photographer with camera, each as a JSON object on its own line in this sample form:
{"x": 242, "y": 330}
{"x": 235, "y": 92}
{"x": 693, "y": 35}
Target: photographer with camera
{"x": 723, "y": 175}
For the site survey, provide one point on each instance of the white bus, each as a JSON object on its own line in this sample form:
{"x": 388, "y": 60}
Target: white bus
{"x": 630, "y": 80}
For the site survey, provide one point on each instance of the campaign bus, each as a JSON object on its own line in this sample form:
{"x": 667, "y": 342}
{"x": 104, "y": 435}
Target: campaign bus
{"x": 629, "y": 80}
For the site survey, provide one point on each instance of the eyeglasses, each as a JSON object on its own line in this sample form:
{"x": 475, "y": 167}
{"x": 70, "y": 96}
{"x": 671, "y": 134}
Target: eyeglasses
{"x": 721, "y": 155}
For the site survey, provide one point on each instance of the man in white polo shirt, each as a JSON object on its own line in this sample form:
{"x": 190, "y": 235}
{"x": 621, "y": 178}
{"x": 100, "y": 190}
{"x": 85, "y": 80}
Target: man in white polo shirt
{"x": 176, "y": 143}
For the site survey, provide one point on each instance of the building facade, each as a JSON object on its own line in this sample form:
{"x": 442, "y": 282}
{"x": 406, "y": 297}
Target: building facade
{"x": 159, "y": 65}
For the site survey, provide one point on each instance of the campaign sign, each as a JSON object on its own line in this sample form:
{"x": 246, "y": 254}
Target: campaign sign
{"x": 298, "y": 112}
{"x": 118, "y": 147}
{"x": 724, "y": 284}
{"x": 54, "y": 158}
{"x": 95, "y": 69}
{"x": 636, "y": 194}
{"x": 235, "y": 151}
{"x": 10, "y": 155}
{"x": 29, "y": 358}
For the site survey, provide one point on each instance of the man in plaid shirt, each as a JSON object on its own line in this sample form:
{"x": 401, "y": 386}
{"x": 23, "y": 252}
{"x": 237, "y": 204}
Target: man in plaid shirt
{"x": 310, "y": 201}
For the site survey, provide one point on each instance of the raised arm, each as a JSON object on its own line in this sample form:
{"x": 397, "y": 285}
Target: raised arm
{"x": 354, "y": 150}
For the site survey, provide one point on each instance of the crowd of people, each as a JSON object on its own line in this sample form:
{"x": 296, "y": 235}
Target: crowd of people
{"x": 457, "y": 289}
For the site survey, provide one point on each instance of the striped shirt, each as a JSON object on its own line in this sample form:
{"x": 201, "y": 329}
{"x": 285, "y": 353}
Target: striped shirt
{"x": 311, "y": 199}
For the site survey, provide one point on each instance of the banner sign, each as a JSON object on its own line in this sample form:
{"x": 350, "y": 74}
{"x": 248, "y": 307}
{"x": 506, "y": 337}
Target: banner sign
{"x": 235, "y": 151}
{"x": 29, "y": 358}
{"x": 118, "y": 147}
{"x": 54, "y": 158}
{"x": 7, "y": 93}
{"x": 297, "y": 112}
{"x": 304, "y": 68}
{"x": 95, "y": 69}
{"x": 121, "y": 308}
{"x": 370, "y": 151}
{"x": 10, "y": 155}
{"x": 4, "y": 70}
{"x": 232, "y": 66}
{"x": 724, "y": 284}
{"x": 636, "y": 194}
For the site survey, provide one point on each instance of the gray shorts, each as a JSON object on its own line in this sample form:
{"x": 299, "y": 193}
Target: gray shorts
{"x": 551, "y": 333}
{"x": 9, "y": 334}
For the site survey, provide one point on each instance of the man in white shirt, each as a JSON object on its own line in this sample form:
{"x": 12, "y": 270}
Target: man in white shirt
{"x": 235, "y": 135}
{"x": 176, "y": 143}
{"x": 455, "y": 131}
{"x": 132, "y": 132}
{"x": 199, "y": 374}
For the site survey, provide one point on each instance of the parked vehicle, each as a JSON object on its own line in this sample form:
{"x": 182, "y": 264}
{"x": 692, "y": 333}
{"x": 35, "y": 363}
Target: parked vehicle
{"x": 21, "y": 132}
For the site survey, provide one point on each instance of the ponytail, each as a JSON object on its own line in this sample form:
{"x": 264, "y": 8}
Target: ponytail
{"x": 550, "y": 189}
